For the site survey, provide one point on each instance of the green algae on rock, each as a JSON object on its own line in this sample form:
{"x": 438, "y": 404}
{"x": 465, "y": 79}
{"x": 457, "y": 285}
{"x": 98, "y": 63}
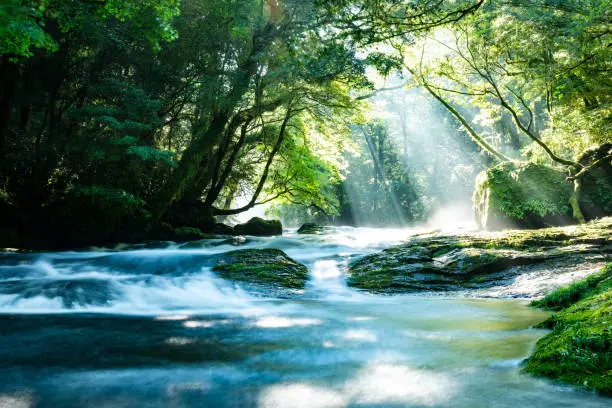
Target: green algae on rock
{"x": 259, "y": 227}
{"x": 527, "y": 195}
{"x": 262, "y": 266}
{"x": 471, "y": 261}
{"x": 531, "y": 195}
{"x": 310, "y": 228}
{"x": 579, "y": 349}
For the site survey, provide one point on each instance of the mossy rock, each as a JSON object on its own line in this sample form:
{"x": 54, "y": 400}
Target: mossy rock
{"x": 310, "y": 228}
{"x": 262, "y": 266}
{"x": 579, "y": 348}
{"x": 596, "y": 197}
{"x": 259, "y": 227}
{"x": 524, "y": 195}
{"x": 478, "y": 260}
{"x": 184, "y": 234}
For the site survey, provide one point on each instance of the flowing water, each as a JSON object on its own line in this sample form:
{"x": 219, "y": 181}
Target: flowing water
{"x": 153, "y": 327}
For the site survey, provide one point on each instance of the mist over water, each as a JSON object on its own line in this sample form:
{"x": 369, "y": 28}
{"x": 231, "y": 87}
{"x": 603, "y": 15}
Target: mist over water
{"x": 152, "y": 325}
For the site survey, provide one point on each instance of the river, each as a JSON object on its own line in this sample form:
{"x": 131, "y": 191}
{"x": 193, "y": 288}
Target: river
{"x": 152, "y": 326}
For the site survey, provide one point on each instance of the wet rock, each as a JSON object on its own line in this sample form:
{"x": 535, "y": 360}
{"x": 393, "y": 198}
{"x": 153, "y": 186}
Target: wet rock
{"x": 223, "y": 229}
{"x": 238, "y": 240}
{"x": 522, "y": 195}
{"x": 271, "y": 267}
{"x": 479, "y": 260}
{"x": 310, "y": 228}
{"x": 184, "y": 234}
{"x": 596, "y": 197}
{"x": 259, "y": 227}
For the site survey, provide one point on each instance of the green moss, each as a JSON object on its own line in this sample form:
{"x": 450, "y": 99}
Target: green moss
{"x": 262, "y": 266}
{"x": 565, "y": 297}
{"x": 190, "y": 234}
{"x": 523, "y": 194}
{"x": 448, "y": 262}
{"x": 579, "y": 349}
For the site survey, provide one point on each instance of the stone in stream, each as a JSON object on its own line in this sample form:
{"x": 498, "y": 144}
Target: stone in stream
{"x": 259, "y": 227}
{"x": 269, "y": 267}
{"x": 310, "y": 228}
{"x": 481, "y": 260}
{"x": 185, "y": 234}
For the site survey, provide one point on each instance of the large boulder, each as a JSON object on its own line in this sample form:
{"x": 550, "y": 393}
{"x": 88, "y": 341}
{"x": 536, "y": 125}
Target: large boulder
{"x": 310, "y": 228}
{"x": 522, "y": 195}
{"x": 262, "y": 266}
{"x": 481, "y": 260}
{"x": 596, "y": 197}
{"x": 259, "y": 227}
{"x": 185, "y": 234}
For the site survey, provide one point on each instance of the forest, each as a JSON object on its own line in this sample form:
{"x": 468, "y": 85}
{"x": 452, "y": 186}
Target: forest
{"x": 305, "y": 203}
{"x": 155, "y": 116}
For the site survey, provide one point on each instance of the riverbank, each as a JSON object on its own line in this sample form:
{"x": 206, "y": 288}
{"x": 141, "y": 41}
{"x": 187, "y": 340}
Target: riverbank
{"x": 578, "y": 351}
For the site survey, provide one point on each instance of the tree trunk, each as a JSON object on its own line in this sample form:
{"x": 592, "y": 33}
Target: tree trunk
{"x": 203, "y": 145}
{"x": 475, "y": 136}
{"x": 575, "y": 201}
{"x": 264, "y": 176}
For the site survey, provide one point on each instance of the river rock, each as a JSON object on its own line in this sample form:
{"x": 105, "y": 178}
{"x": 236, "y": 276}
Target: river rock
{"x": 479, "y": 260}
{"x": 310, "y": 228}
{"x": 596, "y": 196}
{"x": 184, "y": 234}
{"x": 523, "y": 195}
{"x": 259, "y": 227}
{"x": 270, "y": 267}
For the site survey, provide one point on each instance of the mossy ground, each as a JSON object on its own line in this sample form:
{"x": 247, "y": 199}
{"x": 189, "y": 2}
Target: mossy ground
{"x": 579, "y": 349}
{"x": 262, "y": 266}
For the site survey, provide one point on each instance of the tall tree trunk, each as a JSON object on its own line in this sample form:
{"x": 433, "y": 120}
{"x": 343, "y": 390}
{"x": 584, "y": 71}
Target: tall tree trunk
{"x": 203, "y": 146}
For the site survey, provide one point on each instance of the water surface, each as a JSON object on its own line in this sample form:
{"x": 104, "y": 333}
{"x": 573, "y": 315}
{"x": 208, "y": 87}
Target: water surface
{"x": 154, "y": 327}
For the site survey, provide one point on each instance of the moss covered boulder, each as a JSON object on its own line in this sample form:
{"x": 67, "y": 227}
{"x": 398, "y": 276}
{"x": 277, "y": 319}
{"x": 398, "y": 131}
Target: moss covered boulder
{"x": 480, "y": 260}
{"x": 270, "y": 267}
{"x": 579, "y": 348}
{"x": 310, "y": 228}
{"x": 259, "y": 227}
{"x": 596, "y": 198}
{"x": 184, "y": 234}
{"x": 524, "y": 195}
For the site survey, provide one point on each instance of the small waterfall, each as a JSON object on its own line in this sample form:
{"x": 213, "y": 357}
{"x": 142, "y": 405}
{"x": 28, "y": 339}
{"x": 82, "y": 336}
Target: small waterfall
{"x": 327, "y": 280}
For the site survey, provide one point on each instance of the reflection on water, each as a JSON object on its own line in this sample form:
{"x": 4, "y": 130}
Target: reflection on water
{"x": 155, "y": 328}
